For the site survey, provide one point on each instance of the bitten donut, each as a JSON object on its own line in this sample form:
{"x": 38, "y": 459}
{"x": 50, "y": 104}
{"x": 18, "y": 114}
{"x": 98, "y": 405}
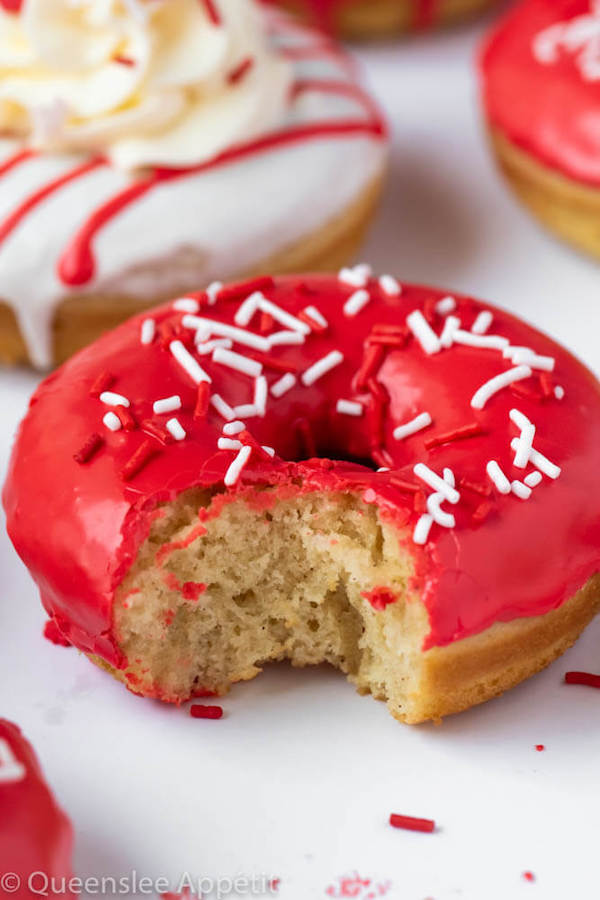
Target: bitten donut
{"x": 541, "y": 93}
{"x": 400, "y": 482}
{"x": 378, "y": 18}
{"x": 36, "y": 837}
{"x": 147, "y": 147}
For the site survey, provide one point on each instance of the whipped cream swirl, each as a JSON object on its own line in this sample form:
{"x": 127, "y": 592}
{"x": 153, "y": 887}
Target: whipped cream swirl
{"x": 143, "y": 82}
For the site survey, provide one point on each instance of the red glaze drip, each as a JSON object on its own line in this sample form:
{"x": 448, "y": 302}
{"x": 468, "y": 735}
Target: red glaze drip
{"x": 53, "y": 634}
{"x": 522, "y": 558}
{"x": 77, "y": 264}
{"x": 35, "y": 835}
{"x": 19, "y": 213}
{"x": 548, "y": 110}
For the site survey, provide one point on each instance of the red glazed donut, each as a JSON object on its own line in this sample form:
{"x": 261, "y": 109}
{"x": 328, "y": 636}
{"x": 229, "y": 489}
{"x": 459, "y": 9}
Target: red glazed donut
{"x": 35, "y": 835}
{"x": 541, "y": 93}
{"x": 175, "y": 495}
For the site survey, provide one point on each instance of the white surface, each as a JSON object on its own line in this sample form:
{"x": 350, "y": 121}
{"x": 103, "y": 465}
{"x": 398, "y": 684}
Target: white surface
{"x": 299, "y": 779}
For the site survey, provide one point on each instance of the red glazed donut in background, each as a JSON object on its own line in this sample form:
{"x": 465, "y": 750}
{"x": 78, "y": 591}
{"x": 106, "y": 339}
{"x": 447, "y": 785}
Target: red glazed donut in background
{"x": 484, "y": 432}
{"x": 35, "y": 835}
{"x": 540, "y": 71}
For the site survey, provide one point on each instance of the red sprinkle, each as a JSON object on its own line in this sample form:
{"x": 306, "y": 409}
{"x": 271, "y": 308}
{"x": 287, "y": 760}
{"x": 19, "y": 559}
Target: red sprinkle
{"x": 528, "y": 876}
{"x": 409, "y": 823}
{"x": 312, "y": 323}
{"x": 125, "y": 418}
{"x": 465, "y": 431}
{"x": 103, "y": 382}
{"x": 202, "y": 400}
{"x": 540, "y": 747}
{"x": 244, "y": 288}
{"x": 379, "y": 597}
{"x": 237, "y": 74}
{"x": 478, "y": 488}
{"x": 306, "y": 438}
{"x": 201, "y": 711}
{"x": 91, "y": 446}
{"x": 266, "y": 322}
{"x": 157, "y": 431}
{"x": 546, "y": 385}
{"x": 371, "y": 364}
{"x": 585, "y": 678}
{"x": 140, "y": 458}
{"x": 211, "y": 11}
{"x": 407, "y": 486}
{"x": 124, "y": 61}
{"x": 278, "y": 365}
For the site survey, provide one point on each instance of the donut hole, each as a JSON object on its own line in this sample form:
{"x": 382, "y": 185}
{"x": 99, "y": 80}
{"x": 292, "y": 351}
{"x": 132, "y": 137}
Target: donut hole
{"x": 225, "y": 584}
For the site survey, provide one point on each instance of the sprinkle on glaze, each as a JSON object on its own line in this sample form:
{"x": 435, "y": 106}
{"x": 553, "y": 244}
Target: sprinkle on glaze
{"x": 460, "y": 504}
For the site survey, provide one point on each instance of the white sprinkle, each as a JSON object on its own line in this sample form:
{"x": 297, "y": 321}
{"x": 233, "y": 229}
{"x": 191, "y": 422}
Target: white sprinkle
{"x": 449, "y": 477}
{"x": 186, "y": 304}
{"x": 355, "y": 277}
{"x": 491, "y": 387}
{"x": 238, "y": 335}
{"x": 423, "y": 420}
{"x": 525, "y": 441}
{"x": 497, "y": 476}
{"x": 188, "y": 363}
{"x": 423, "y": 332}
{"x": 176, "y": 429}
{"x": 445, "y": 305}
{"x": 285, "y": 337}
{"x": 247, "y": 410}
{"x": 482, "y": 322}
{"x": 238, "y": 362}
{"x": 112, "y": 421}
{"x": 247, "y": 309}
{"x": 390, "y": 286}
{"x": 283, "y": 385}
{"x": 260, "y": 394}
{"x": 148, "y": 330}
{"x": 520, "y": 490}
{"x": 269, "y": 450}
{"x": 212, "y": 292}
{"x": 283, "y": 317}
{"x": 111, "y": 399}
{"x": 422, "y": 529}
{"x": 383, "y": 469}
{"x": 313, "y": 313}
{"x": 168, "y": 404}
{"x": 486, "y": 341}
{"x": 438, "y": 484}
{"x": 522, "y": 355}
{"x": 235, "y": 469}
{"x": 451, "y": 326}
{"x": 228, "y": 444}
{"x": 233, "y": 427}
{"x": 440, "y": 516}
{"x": 206, "y": 347}
{"x": 349, "y": 408}
{"x": 533, "y": 479}
{"x": 559, "y": 392}
{"x": 357, "y": 301}
{"x": 223, "y": 408}
{"x": 321, "y": 367}
{"x": 540, "y": 461}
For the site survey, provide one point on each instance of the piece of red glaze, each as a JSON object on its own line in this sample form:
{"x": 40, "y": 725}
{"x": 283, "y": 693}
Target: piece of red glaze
{"x": 524, "y": 557}
{"x": 35, "y": 835}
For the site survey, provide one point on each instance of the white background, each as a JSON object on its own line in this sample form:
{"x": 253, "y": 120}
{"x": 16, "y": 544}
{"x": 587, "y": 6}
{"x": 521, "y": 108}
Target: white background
{"x": 299, "y": 778}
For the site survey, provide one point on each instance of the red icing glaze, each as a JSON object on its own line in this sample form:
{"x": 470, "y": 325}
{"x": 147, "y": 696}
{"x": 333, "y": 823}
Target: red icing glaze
{"x": 380, "y": 597}
{"x": 35, "y": 835}
{"x": 522, "y": 558}
{"x": 549, "y": 109}
{"x": 53, "y": 634}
